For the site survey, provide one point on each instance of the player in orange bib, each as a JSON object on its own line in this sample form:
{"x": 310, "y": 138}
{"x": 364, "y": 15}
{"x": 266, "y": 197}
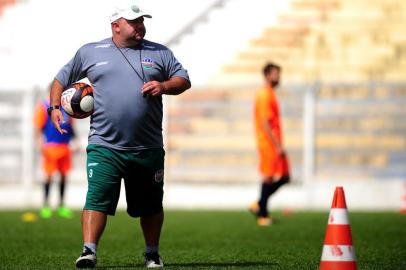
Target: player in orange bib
{"x": 56, "y": 155}
{"x": 273, "y": 161}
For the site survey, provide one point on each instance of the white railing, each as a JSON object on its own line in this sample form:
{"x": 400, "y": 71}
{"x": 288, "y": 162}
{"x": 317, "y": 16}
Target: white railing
{"x": 386, "y": 146}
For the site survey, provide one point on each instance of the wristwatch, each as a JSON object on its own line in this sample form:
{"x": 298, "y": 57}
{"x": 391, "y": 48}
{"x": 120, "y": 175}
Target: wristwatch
{"x": 51, "y": 108}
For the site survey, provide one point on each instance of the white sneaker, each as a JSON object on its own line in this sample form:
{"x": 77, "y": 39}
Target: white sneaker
{"x": 87, "y": 259}
{"x": 153, "y": 260}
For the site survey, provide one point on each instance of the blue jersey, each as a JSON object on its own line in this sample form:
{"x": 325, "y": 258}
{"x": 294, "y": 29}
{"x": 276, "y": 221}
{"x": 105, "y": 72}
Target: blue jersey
{"x": 51, "y": 134}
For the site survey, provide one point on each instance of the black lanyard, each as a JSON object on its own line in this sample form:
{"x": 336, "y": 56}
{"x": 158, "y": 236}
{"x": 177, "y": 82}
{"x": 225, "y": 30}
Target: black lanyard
{"x": 136, "y": 72}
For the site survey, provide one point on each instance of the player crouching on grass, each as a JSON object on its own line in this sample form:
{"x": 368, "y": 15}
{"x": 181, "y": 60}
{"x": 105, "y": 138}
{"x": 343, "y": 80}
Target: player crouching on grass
{"x": 273, "y": 160}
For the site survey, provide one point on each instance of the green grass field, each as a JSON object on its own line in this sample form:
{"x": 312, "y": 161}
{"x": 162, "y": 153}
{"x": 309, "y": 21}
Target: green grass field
{"x": 203, "y": 240}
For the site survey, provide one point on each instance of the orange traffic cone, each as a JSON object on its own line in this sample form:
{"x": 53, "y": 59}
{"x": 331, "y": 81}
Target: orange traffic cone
{"x": 403, "y": 203}
{"x": 338, "y": 252}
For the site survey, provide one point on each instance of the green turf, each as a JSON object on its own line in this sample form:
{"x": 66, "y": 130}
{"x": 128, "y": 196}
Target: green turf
{"x": 203, "y": 240}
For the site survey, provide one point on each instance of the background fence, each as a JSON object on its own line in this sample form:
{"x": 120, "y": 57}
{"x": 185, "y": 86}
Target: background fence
{"x": 341, "y": 130}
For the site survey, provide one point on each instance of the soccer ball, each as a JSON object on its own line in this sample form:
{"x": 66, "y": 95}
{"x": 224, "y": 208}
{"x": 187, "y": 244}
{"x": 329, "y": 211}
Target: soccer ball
{"x": 77, "y": 100}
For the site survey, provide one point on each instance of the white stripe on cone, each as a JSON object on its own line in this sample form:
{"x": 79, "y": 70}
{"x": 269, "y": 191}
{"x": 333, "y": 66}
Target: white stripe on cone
{"x": 338, "y": 216}
{"x": 338, "y": 253}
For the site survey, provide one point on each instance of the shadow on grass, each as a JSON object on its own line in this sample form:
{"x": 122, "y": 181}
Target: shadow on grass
{"x": 198, "y": 264}
{"x": 221, "y": 264}
{"x": 127, "y": 266}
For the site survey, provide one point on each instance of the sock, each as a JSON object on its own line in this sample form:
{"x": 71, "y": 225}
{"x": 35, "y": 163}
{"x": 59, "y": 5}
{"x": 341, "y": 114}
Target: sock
{"x": 61, "y": 192}
{"x": 277, "y": 184}
{"x": 151, "y": 249}
{"x": 46, "y": 193}
{"x": 91, "y": 246}
{"x": 263, "y": 200}
{"x": 267, "y": 189}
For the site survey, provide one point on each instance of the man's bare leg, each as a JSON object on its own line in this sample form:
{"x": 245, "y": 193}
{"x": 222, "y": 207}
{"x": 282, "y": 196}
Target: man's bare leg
{"x": 151, "y": 227}
{"x": 93, "y": 224}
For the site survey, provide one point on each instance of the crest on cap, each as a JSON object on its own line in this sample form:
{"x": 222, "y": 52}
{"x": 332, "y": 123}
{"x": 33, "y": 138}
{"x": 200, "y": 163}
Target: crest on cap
{"x": 135, "y": 8}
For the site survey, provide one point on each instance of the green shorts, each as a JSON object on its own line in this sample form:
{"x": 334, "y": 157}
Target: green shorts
{"x": 143, "y": 174}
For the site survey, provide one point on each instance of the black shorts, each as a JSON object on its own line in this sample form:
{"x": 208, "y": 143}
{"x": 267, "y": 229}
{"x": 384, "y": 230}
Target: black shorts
{"x": 143, "y": 174}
